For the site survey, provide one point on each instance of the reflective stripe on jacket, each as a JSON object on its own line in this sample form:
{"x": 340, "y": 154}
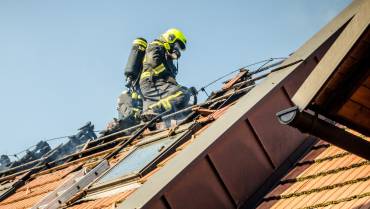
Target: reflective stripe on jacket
{"x": 157, "y": 64}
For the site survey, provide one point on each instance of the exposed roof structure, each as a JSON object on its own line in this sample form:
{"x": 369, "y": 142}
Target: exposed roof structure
{"x": 231, "y": 151}
{"x": 80, "y": 181}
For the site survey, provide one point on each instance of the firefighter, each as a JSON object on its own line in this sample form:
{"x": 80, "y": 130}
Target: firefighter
{"x": 129, "y": 108}
{"x": 158, "y": 85}
{"x": 129, "y": 105}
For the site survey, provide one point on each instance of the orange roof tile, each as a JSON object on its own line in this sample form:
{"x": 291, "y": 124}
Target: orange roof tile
{"x": 30, "y": 193}
{"x": 107, "y": 202}
{"x": 42, "y": 183}
{"x": 333, "y": 179}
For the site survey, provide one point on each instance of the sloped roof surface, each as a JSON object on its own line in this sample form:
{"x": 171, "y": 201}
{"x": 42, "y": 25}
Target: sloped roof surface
{"x": 228, "y": 154}
{"x": 37, "y": 188}
{"x": 42, "y": 184}
{"x": 327, "y": 177}
{"x": 112, "y": 198}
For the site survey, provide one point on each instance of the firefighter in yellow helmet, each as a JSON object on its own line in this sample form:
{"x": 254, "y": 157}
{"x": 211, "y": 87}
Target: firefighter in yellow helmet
{"x": 158, "y": 84}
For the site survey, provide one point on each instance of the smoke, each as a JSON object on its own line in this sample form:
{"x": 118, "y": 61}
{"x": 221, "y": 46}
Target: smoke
{"x": 75, "y": 142}
{"x": 43, "y": 149}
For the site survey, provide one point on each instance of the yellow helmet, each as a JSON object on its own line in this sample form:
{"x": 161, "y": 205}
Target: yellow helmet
{"x": 172, "y": 35}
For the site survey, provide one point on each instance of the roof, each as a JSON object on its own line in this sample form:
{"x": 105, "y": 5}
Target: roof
{"x": 116, "y": 194}
{"x": 326, "y": 89}
{"x": 327, "y": 177}
{"x": 220, "y": 153}
{"x": 34, "y": 190}
{"x": 44, "y": 186}
{"x": 228, "y": 152}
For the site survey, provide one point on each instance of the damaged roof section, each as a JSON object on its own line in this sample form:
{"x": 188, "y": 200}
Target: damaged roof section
{"x": 127, "y": 170}
{"x": 227, "y": 152}
{"x": 148, "y": 155}
{"x": 42, "y": 150}
{"x": 129, "y": 173}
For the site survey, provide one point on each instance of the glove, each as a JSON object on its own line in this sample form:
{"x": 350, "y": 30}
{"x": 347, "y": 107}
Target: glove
{"x": 129, "y": 82}
{"x": 194, "y": 93}
{"x": 175, "y": 51}
{"x": 175, "y": 54}
{"x": 112, "y": 124}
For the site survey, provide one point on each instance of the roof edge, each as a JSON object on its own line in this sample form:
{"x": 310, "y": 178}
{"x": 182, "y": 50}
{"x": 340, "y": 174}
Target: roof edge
{"x": 160, "y": 179}
{"x": 164, "y": 176}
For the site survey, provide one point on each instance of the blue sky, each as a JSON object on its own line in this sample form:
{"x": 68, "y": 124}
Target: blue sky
{"x": 61, "y": 62}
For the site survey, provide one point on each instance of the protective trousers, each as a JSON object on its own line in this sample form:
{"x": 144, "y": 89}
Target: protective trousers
{"x": 160, "y": 95}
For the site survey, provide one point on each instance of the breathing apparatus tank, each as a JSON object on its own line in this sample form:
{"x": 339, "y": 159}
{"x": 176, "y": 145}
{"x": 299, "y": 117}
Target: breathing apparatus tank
{"x": 135, "y": 59}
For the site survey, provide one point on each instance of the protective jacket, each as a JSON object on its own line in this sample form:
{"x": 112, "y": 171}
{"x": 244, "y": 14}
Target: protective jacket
{"x": 158, "y": 86}
{"x": 157, "y": 65}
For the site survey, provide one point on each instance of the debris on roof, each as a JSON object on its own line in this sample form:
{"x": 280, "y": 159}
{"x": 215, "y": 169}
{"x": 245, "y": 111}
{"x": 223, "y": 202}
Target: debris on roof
{"x": 42, "y": 148}
{"x": 145, "y": 155}
{"x": 20, "y": 171}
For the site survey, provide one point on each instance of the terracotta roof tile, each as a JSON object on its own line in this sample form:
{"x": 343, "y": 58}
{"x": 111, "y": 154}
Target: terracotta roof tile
{"x": 337, "y": 192}
{"x": 24, "y": 203}
{"x": 107, "y": 202}
{"x": 34, "y": 190}
{"x": 333, "y": 179}
{"x": 43, "y": 183}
